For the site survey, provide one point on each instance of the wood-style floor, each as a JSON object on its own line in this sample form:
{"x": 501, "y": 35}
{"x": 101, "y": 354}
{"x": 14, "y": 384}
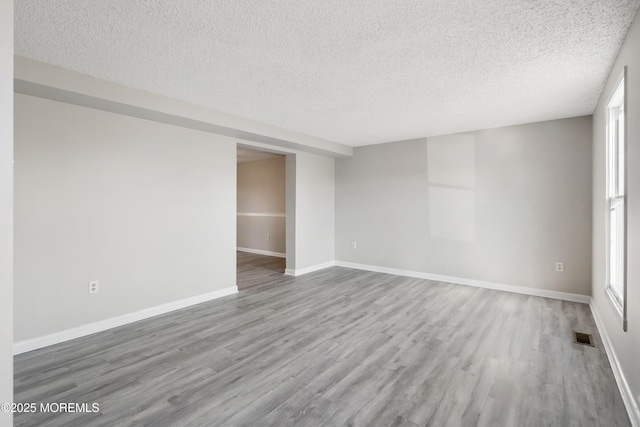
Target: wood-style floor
{"x": 338, "y": 347}
{"x": 258, "y": 271}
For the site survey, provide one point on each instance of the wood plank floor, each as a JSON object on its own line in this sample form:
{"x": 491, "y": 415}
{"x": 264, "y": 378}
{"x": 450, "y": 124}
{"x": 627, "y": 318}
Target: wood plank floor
{"x": 338, "y": 347}
{"x": 258, "y": 271}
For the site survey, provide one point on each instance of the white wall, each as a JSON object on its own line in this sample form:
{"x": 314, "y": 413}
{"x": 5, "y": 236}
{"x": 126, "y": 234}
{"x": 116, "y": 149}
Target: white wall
{"x": 626, "y": 345}
{"x": 261, "y": 205}
{"x": 290, "y": 202}
{"x": 6, "y": 207}
{"x": 498, "y": 205}
{"x": 146, "y": 208}
{"x": 314, "y": 210}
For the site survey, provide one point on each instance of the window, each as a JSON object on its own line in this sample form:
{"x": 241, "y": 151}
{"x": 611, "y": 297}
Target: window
{"x": 615, "y": 193}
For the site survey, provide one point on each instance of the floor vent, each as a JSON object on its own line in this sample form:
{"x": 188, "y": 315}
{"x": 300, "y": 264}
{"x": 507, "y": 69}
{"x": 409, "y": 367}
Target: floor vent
{"x": 580, "y": 338}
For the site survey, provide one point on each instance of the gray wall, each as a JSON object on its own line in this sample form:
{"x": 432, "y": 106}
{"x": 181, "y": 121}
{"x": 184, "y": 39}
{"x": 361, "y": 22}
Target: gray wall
{"x": 625, "y": 344}
{"x": 314, "y": 210}
{"x": 148, "y": 209}
{"x": 261, "y": 191}
{"x": 6, "y": 207}
{"x": 290, "y": 223}
{"x": 499, "y": 205}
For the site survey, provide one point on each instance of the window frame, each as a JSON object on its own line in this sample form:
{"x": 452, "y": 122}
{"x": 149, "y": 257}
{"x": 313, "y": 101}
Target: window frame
{"x": 615, "y": 195}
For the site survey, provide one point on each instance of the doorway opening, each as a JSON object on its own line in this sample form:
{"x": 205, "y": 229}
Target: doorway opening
{"x": 261, "y": 209}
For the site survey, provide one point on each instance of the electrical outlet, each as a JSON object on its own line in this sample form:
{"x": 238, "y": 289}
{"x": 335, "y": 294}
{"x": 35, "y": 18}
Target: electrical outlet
{"x": 560, "y": 267}
{"x": 268, "y": 236}
{"x": 94, "y": 287}
{"x": 353, "y": 245}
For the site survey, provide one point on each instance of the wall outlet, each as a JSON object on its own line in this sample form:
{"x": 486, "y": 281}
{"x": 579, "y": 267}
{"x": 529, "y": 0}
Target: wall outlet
{"x": 353, "y": 245}
{"x": 94, "y": 287}
{"x": 560, "y": 266}
{"x": 268, "y": 236}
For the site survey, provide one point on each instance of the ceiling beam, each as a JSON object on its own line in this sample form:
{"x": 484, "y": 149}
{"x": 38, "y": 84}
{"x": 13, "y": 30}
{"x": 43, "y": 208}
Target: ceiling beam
{"x": 58, "y": 84}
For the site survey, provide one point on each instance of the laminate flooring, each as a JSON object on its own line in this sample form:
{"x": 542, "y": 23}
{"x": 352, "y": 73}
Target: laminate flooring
{"x": 338, "y": 347}
{"x": 258, "y": 271}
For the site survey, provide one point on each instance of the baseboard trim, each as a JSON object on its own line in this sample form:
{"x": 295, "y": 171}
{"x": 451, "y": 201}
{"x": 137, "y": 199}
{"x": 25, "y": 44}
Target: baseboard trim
{"x": 565, "y": 296}
{"x": 311, "y": 269}
{"x": 261, "y": 252}
{"x": 627, "y": 396}
{"x": 103, "y": 325}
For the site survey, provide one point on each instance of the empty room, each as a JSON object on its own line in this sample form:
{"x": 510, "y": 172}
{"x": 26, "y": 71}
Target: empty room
{"x": 343, "y": 213}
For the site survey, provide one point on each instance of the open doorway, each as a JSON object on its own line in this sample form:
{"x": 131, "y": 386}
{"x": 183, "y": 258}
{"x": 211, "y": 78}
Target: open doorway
{"x": 261, "y": 218}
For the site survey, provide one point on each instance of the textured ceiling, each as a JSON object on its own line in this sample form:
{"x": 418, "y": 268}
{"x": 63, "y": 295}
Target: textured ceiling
{"x": 356, "y": 72}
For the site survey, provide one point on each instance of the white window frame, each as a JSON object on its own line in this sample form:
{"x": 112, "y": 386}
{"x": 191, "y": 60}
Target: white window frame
{"x": 616, "y": 206}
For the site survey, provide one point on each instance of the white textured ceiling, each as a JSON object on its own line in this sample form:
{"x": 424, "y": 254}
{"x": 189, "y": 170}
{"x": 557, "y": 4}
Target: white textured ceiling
{"x": 352, "y": 71}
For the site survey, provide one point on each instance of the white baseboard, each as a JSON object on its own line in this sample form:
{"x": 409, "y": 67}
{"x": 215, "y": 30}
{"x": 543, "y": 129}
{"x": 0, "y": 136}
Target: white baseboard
{"x": 565, "y": 296}
{"x": 627, "y": 396}
{"x": 301, "y": 271}
{"x": 102, "y": 325}
{"x": 261, "y": 252}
